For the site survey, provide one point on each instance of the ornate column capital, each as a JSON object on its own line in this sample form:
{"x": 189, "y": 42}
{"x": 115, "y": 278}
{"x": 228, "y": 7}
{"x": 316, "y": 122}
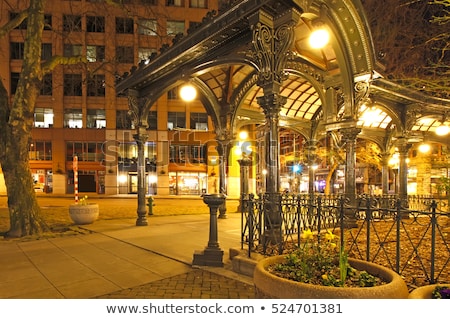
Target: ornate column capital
{"x": 137, "y": 109}
{"x": 272, "y": 40}
{"x": 271, "y": 103}
{"x": 349, "y": 134}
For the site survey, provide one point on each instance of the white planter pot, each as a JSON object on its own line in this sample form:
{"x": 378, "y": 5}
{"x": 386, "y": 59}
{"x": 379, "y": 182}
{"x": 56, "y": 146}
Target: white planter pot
{"x": 83, "y": 214}
{"x": 270, "y": 286}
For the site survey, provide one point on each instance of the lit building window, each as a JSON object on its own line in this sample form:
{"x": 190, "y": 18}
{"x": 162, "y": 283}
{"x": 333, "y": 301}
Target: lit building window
{"x": 175, "y": 27}
{"x": 96, "y": 119}
{"x": 73, "y": 118}
{"x": 43, "y": 117}
{"x": 147, "y": 27}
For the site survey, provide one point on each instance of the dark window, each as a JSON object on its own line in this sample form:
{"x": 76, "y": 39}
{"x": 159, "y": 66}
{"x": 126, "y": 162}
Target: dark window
{"x": 48, "y": 22}
{"x": 16, "y": 49}
{"x": 72, "y": 50}
{"x": 172, "y": 94}
{"x": 152, "y": 120}
{"x": 199, "y": 121}
{"x": 198, "y": 3}
{"x": 176, "y": 120}
{"x": 174, "y": 3}
{"x": 22, "y": 25}
{"x": 46, "y": 51}
{"x": 72, "y": 85}
{"x": 47, "y": 85}
{"x": 14, "y": 82}
{"x": 72, "y": 23}
{"x": 123, "y": 120}
{"x": 95, "y": 24}
{"x": 125, "y": 54}
{"x": 124, "y": 25}
{"x": 96, "y": 85}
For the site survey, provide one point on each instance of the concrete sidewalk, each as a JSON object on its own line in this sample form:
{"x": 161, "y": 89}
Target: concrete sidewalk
{"x": 120, "y": 260}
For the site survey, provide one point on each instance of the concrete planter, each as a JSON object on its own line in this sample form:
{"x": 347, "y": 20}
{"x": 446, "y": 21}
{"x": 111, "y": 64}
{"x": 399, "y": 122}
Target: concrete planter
{"x": 270, "y": 286}
{"x": 424, "y": 292}
{"x": 83, "y": 214}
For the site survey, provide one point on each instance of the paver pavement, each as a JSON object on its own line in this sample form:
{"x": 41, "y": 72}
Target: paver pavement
{"x": 116, "y": 259}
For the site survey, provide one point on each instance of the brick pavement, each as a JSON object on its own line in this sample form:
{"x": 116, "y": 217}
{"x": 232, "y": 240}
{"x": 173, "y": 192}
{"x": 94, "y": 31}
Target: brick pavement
{"x": 195, "y": 284}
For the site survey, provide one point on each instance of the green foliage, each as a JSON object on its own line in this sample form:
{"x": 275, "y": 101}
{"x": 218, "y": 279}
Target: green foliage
{"x": 322, "y": 262}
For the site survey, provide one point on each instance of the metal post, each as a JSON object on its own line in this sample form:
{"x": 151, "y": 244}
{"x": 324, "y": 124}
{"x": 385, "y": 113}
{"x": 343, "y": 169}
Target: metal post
{"x": 141, "y": 138}
{"x": 212, "y": 255}
{"x": 223, "y": 150}
{"x": 244, "y": 164}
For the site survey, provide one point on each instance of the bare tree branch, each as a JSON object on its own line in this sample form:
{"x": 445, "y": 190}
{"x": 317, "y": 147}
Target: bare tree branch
{"x": 56, "y": 60}
{"x": 14, "y": 23}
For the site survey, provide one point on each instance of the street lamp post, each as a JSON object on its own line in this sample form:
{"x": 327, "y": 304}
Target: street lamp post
{"x": 141, "y": 138}
{"x": 139, "y": 112}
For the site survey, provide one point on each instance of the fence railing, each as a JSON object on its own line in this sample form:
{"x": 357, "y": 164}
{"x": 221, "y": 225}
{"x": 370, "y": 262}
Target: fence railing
{"x": 411, "y": 237}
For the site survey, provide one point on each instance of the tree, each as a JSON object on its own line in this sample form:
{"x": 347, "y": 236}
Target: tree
{"x": 16, "y": 122}
{"x": 412, "y": 41}
{"x": 17, "y": 116}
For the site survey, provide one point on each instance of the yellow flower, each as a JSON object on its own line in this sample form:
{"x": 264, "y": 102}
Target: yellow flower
{"x": 329, "y": 236}
{"x": 307, "y": 234}
{"x": 325, "y": 277}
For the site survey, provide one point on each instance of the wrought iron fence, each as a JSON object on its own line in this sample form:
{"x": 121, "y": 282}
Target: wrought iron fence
{"x": 411, "y": 237}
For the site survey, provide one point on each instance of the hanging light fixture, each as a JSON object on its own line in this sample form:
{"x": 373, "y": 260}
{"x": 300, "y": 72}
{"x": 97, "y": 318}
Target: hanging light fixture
{"x": 319, "y": 38}
{"x": 188, "y": 92}
{"x": 424, "y": 148}
{"x": 442, "y": 130}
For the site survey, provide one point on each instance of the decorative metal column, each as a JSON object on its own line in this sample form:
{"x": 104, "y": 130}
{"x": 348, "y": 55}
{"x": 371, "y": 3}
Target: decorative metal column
{"x": 139, "y": 113}
{"x": 245, "y": 162}
{"x": 223, "y": 150}
{"x": 349, "y": 137}
{"x": 403, "y": 147}
{"x": 385, "y": 173}
{"x": 272, "y": 39}
{"x": 141, "y": 138}
{"x": 311, "y": 157}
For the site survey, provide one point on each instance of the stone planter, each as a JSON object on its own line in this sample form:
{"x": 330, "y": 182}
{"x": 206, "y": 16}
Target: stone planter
{"x": 83, "y": 214}
{"x": 270, "y": 286}
{"x": 424, "y": 292}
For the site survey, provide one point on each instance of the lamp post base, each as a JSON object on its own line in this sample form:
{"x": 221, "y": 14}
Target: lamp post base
{"x": 208, "y": 257}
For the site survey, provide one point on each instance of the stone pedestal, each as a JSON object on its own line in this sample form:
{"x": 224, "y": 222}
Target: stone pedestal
{"x": 212, "y": 255}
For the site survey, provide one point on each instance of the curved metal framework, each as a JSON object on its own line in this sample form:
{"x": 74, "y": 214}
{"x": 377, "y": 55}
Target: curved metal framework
{"x": 252, "y": 63}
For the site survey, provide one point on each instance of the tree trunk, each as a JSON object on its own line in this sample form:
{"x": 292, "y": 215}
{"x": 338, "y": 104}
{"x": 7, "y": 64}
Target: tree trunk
{"x": 15, "y": 132}
{"x": 327, "y": 189}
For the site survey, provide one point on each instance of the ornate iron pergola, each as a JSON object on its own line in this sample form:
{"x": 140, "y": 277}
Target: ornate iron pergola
{"x": 251, "y": 63}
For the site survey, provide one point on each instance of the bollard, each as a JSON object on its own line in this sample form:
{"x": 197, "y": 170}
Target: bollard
{"x": 150, "y": 204}
{"x": 212, "y": 255}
